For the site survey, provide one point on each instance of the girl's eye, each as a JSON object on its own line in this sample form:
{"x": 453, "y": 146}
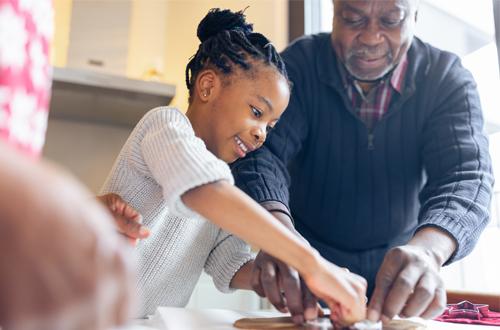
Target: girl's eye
{"x": 269, "y": 128}
{"x": 257, "y": 113}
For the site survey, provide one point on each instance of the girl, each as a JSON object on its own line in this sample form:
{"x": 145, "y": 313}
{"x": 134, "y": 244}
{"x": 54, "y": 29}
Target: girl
{"x": 173, "y": 170}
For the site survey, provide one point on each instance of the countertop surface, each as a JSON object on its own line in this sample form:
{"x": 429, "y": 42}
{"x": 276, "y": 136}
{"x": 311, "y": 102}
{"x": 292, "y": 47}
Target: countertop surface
{"x": 218, "y": 319}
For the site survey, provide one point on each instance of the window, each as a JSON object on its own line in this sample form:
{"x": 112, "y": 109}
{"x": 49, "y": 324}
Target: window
{"x": 466, "y": 28}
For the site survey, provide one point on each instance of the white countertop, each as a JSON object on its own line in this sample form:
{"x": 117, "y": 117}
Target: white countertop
{"x": 218, "y": 319}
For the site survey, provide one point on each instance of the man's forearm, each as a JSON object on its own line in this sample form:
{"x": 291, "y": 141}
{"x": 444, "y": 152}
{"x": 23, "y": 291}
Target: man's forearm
{"x": 436, "y": 242}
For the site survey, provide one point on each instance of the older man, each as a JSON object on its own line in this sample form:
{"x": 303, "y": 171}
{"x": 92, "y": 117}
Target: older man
{"x": 380, "y": 160}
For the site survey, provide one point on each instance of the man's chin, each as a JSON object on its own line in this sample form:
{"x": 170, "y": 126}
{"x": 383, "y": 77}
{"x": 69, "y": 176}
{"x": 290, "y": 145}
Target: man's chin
{"x": 371, "y": 76}
{"x": 368, "y": 77}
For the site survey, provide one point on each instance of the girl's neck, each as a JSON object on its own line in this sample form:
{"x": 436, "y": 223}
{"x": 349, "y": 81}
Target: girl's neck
{"x": 193, "y": 114}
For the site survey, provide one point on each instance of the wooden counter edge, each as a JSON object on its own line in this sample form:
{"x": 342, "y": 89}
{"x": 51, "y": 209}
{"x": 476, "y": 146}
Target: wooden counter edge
{"x": 493, "y": 300}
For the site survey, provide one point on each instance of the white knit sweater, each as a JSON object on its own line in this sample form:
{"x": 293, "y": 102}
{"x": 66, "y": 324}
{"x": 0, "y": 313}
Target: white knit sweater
{"x": 161, "y": 160}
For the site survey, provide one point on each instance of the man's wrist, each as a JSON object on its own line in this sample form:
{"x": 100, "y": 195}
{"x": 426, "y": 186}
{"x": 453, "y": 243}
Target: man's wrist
{"x": 436, "y": 243}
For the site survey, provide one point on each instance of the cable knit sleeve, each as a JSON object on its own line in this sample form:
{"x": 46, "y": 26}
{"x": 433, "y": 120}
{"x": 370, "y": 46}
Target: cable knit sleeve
{"x": 228, "y": 255}
{"x": 457, "y": 195}
{"x": 176, "y": 158}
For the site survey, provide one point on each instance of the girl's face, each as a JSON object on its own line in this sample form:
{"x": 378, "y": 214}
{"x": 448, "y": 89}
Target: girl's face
{"x": 241, "y": 113}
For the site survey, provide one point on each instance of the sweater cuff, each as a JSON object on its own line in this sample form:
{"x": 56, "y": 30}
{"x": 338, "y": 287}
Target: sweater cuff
{"x": 455, "y": 229}
{"x": 275, "y": 206}
{"x": 225, "y": 260}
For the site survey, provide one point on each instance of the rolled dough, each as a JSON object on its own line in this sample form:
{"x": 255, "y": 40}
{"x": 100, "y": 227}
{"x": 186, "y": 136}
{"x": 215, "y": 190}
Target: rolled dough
{"x": 286, "y": 323}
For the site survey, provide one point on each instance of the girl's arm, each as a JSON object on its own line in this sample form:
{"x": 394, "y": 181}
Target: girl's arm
{"x": 232, "y": 210}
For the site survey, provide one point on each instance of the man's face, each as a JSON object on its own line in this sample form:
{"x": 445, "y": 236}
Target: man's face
{"x": 371, "y": 36}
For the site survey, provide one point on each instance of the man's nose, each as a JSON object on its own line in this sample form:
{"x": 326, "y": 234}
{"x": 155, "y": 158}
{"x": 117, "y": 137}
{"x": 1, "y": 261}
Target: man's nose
{"x": 371, "y": 35}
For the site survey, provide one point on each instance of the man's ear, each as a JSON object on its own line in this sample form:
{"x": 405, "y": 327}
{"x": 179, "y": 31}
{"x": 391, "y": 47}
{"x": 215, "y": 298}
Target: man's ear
{"x": 416, "y": 10}
{"x": 206, "y": 83}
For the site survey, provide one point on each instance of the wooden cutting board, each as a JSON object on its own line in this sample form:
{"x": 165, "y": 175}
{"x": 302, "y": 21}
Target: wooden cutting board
{"x": 286, "y": 323}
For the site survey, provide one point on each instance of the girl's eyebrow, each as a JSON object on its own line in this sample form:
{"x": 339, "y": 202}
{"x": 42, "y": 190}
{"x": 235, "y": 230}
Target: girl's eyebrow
{"x": 266, "y": 101}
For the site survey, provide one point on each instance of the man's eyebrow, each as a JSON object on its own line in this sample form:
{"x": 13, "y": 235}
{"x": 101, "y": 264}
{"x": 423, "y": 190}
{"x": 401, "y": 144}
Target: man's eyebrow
{"x": 356, "y": 10}
{"x": 397, "y": 10}
{"x": 266, "y": 101}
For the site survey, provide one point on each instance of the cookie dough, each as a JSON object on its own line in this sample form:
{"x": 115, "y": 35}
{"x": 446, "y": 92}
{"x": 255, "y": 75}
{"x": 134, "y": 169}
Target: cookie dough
{"x": 286, "y": 323}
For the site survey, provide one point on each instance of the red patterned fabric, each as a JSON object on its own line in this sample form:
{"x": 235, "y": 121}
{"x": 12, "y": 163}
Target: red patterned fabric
{"x": 493, "y": 319}
{"x": 26, "y": 28}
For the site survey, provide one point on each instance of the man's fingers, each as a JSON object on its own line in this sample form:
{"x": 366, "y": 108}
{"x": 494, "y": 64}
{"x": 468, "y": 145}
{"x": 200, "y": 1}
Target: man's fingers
{"x": 310, "y": 303}
{"x": 422, "y": 296}
{"x": 255, "y": 283}
{"x": 269, "y": 279}
{"x": 383, "y": 283}
{"x": 291, "y": 285}
{"x": 401, "y": 290}
{"x": 377, "y": 302}
{"x": 436, "y": 307}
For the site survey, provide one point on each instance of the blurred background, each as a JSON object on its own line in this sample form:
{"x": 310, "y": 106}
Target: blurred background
{"x": 114, "y": 60}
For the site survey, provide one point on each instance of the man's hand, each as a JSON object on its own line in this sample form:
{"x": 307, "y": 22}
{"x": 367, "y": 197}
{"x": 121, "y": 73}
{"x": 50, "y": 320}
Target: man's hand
{"x": 128, "y": 220}
{"x": 62, "y": 265}
{"x": 413, "y": 268}
{"x": 270, "y": 277}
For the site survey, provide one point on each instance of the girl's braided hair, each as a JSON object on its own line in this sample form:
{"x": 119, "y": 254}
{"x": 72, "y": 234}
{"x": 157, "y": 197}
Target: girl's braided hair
{"x": 226, "y": 37}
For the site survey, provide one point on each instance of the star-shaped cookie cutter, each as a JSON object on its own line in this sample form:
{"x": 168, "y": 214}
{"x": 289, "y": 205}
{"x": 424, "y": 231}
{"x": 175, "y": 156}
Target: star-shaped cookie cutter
{"x": 467, "y": 310}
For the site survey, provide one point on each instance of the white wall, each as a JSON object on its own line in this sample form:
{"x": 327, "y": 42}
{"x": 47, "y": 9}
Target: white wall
{"x": 100, "y": 33}
{"x": 87, "y": 150}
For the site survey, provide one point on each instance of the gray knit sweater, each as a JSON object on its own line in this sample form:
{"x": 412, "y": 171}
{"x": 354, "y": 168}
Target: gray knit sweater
{"x": 161, "y": 160}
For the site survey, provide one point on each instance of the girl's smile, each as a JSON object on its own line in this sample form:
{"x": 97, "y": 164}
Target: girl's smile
{"x": 242, "y": 147}
{"x": 233, "y": 115}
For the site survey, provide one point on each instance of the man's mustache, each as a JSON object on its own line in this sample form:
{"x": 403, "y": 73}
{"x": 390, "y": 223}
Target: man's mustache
{"x": 369, "y": 51}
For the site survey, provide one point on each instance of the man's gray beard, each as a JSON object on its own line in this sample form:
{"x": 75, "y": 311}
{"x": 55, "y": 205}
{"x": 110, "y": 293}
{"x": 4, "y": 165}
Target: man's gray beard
{"x": 349, "y": 68}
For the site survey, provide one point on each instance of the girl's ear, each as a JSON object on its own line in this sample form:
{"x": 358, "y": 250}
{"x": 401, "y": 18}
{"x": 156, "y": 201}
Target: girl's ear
{"x": 206, "y": 84}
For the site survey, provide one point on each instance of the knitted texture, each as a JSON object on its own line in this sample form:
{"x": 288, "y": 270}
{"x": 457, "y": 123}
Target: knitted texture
{"x": 161, "y": 160}
{"x": 354, "y": 194}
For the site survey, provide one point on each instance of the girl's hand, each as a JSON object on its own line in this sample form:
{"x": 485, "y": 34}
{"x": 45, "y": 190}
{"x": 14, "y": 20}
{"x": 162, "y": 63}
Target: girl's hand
{"x": 343, "y": 292}
{"x": 128, "y": 220}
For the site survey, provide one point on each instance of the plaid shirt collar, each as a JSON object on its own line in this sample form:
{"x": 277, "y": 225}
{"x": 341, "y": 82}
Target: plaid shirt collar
{"x": 372, "y": 106}
{"x": 396, "y": 76}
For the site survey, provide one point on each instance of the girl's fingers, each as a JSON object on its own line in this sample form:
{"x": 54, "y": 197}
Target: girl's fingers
{"x": 130, "y": 227}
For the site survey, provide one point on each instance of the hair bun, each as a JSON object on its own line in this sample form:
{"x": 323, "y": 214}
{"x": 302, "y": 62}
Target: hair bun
{"x": 222, "y": 20}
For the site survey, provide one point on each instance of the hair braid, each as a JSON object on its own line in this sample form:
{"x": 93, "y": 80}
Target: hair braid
{"x": 226, "y": 37}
